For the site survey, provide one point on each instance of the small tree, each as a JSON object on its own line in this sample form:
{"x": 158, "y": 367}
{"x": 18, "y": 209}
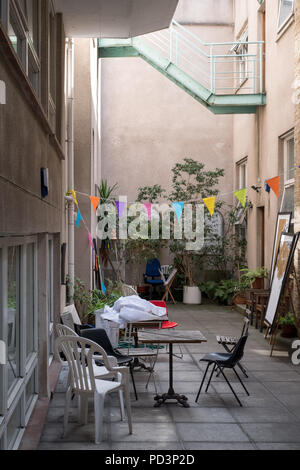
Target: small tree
{"x": 190, "y": 182}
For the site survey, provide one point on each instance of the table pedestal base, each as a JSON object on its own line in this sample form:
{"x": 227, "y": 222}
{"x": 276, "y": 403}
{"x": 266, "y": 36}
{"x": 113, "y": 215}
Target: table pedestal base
{"x": 171, "y": 395}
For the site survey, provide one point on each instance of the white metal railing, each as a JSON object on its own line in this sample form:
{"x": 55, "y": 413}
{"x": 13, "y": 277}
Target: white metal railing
{"x": 222, "y": 67}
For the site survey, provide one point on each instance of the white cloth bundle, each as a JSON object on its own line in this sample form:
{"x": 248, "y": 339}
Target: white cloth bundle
{"x": 132, "y": 309}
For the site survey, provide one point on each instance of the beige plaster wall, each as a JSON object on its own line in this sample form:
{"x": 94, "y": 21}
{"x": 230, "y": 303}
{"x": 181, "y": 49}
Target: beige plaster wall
{"x": 275, "y": 119}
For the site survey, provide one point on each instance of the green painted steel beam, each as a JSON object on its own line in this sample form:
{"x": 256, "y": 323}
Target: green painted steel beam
{"x": 218, "y": 104}
{"x": 121, "y": 51}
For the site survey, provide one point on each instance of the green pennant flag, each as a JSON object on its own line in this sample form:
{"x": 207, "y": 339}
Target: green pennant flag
{"x": 241, "y": 195}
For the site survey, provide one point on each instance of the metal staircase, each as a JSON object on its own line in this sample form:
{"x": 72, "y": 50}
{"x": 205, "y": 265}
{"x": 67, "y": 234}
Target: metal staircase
{"x": 227, "y": 78}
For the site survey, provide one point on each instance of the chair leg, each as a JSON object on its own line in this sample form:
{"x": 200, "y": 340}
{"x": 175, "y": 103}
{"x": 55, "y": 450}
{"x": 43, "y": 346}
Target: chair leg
{"x": 98, "y": 407}
{"x": 243, "y": 370}
{"x": 128, "y": 404}
{"x": 121, "y": 401}
{"x": 133, "y": 381}
{"x": 208, "y": 365}
{"x": 67, "y": 409}
{"x": 237, "y": 398}
{"x": 240, "y": 380}
{"x": 211, "y": 375}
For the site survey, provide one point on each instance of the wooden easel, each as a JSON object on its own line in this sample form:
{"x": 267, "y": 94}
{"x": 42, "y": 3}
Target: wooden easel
{"x": 288, "y": 294}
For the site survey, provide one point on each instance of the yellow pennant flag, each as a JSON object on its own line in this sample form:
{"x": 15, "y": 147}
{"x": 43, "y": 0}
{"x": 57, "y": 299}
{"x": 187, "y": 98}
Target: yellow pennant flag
{"x": 74, "y": 196}
{"x": 210, "y": 204}
{"x": 241, "y": 195}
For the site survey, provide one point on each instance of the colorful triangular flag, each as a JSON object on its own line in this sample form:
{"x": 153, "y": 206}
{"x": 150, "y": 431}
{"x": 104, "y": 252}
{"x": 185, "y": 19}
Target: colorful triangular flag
{"x": 95, "y": 202}
{"x": 241, "y": 195}
{"x": 210, "y": 204}
{"x": 121, "y": 206}
{"x": 148, "y": 207}
{"x": 274, "y": 185}
{"x": 79, "y": 218}
{"x": 91, "y": 240}
{"x": 178, "y": 208}
{"x": 73, "y": 193}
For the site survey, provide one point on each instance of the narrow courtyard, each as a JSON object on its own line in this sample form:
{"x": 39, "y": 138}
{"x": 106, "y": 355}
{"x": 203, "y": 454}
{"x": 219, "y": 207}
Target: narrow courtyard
{"x": 268, "y": 420}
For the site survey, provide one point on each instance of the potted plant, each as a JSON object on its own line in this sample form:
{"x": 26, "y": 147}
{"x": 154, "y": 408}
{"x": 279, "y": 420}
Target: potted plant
{"x": 190, "y": 182}
{"x": 288, "y": 326}
{"x": 255, "y": 277}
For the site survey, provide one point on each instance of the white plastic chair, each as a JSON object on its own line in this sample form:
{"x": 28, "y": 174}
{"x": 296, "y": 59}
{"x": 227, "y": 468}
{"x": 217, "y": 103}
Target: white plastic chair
{"x": 100, "y": 371}
{"x": 128, "y": 290}
{"x": 80, "y": 355}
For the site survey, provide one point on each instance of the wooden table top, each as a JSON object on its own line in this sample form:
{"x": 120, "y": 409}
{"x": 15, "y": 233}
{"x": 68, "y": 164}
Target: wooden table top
{"x": 171, "y": 335}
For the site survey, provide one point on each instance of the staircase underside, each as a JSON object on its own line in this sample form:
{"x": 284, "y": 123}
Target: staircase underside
{"x": 218, "y": 104}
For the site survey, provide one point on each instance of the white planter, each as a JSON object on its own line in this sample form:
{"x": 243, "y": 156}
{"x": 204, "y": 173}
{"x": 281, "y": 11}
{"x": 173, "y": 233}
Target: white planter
{"x": 192, "y": 295}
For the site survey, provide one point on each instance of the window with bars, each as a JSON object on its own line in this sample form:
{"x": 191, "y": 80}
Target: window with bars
{"x": 286, "y": 11}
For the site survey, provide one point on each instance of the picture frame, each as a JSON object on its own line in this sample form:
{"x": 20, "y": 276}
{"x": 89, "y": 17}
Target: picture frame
{"x": 283, "y": 223}
{"x": 284, "y": 259}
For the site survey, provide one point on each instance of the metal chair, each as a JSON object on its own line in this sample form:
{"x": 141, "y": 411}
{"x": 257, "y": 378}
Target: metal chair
{"x": 168, "y": 284}
{"x": 153, "y": 268}
{"x": 229, "y": 343}
{"x": 225, "y": 361}
{"x": 80, "y": 354}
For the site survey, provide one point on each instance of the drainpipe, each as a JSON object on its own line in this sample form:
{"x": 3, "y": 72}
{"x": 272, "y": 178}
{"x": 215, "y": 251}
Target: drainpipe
{"x": 70, "y": 151}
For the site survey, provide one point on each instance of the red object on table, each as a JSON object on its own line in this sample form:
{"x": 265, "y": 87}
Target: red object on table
{"x": 166, "y": 324}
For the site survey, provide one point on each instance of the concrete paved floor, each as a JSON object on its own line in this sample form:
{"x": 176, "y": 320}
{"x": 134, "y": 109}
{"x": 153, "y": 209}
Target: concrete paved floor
{"x": 269, "y": 419}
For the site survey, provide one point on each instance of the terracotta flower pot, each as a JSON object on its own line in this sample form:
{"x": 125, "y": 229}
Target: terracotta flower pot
{"x": 258, "y": 283}
{"x": 289, "y": 331}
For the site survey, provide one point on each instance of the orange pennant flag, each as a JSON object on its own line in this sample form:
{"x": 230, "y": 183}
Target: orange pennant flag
{"x": 95, "y": 202}
{"x": 274, "y": 184}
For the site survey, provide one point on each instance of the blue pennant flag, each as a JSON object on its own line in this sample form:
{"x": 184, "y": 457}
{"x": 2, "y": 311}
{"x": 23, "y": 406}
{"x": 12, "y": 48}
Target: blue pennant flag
{"x": 79, "y": 218}
{"x": 178, "y": 208}
{"x": 103, "y": 288}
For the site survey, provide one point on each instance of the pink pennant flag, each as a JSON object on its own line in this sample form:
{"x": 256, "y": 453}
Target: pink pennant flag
{"x": 90, "y": 240}
{"x": 148, "y": 207}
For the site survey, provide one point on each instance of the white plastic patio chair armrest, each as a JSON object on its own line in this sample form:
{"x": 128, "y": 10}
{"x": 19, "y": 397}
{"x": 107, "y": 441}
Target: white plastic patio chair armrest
{"x": 112, "y": 359}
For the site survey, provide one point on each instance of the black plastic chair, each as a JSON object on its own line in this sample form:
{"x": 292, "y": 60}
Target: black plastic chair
{"x": 99, "y": 336}
{"x": 225, "y": 361}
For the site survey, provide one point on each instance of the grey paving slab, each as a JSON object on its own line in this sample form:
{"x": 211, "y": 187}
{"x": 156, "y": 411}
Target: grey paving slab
{"x": 201, "y": 415}
{"x": 211, "y": 432}
{"x": 267, "y": 432}
{"x": 278, "y": 446}
{"x": 146, "y": 432}
{"x": 219, "y": 446}
{"x": 263, "y": 415}
{"x": 146, "y": 445}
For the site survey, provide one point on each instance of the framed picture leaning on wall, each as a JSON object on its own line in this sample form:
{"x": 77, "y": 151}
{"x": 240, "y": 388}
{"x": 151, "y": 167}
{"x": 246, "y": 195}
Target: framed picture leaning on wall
{"x": 282, "y": 265}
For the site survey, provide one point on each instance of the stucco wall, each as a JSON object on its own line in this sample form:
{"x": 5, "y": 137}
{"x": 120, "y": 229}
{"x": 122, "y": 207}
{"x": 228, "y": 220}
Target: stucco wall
{"x": 86, "y": 150}
{"x": 275, "y": 119}
{"x": 25, "y": 149}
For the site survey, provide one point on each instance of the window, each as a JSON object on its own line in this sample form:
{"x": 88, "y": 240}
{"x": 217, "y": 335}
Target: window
{"x": 242, "y": 174}
{"x": 52, "y": 59}
{"x": 18, "y": 329}
{"x": 213, "y": 229}
{"x": 241, "y": 51}
{"x": 23, "y": 28}
{"x": 13, "y": 317}
{"x": 286, "y": 10}
{"x": 50, "y": 299}
{"x": 287, "y": 204}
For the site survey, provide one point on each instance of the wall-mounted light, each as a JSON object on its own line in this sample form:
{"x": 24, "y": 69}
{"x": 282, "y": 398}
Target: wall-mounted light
{"x": 44, "y": 182}
{"x": 2, "y": 92}
{"x": 256, "y": 188}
